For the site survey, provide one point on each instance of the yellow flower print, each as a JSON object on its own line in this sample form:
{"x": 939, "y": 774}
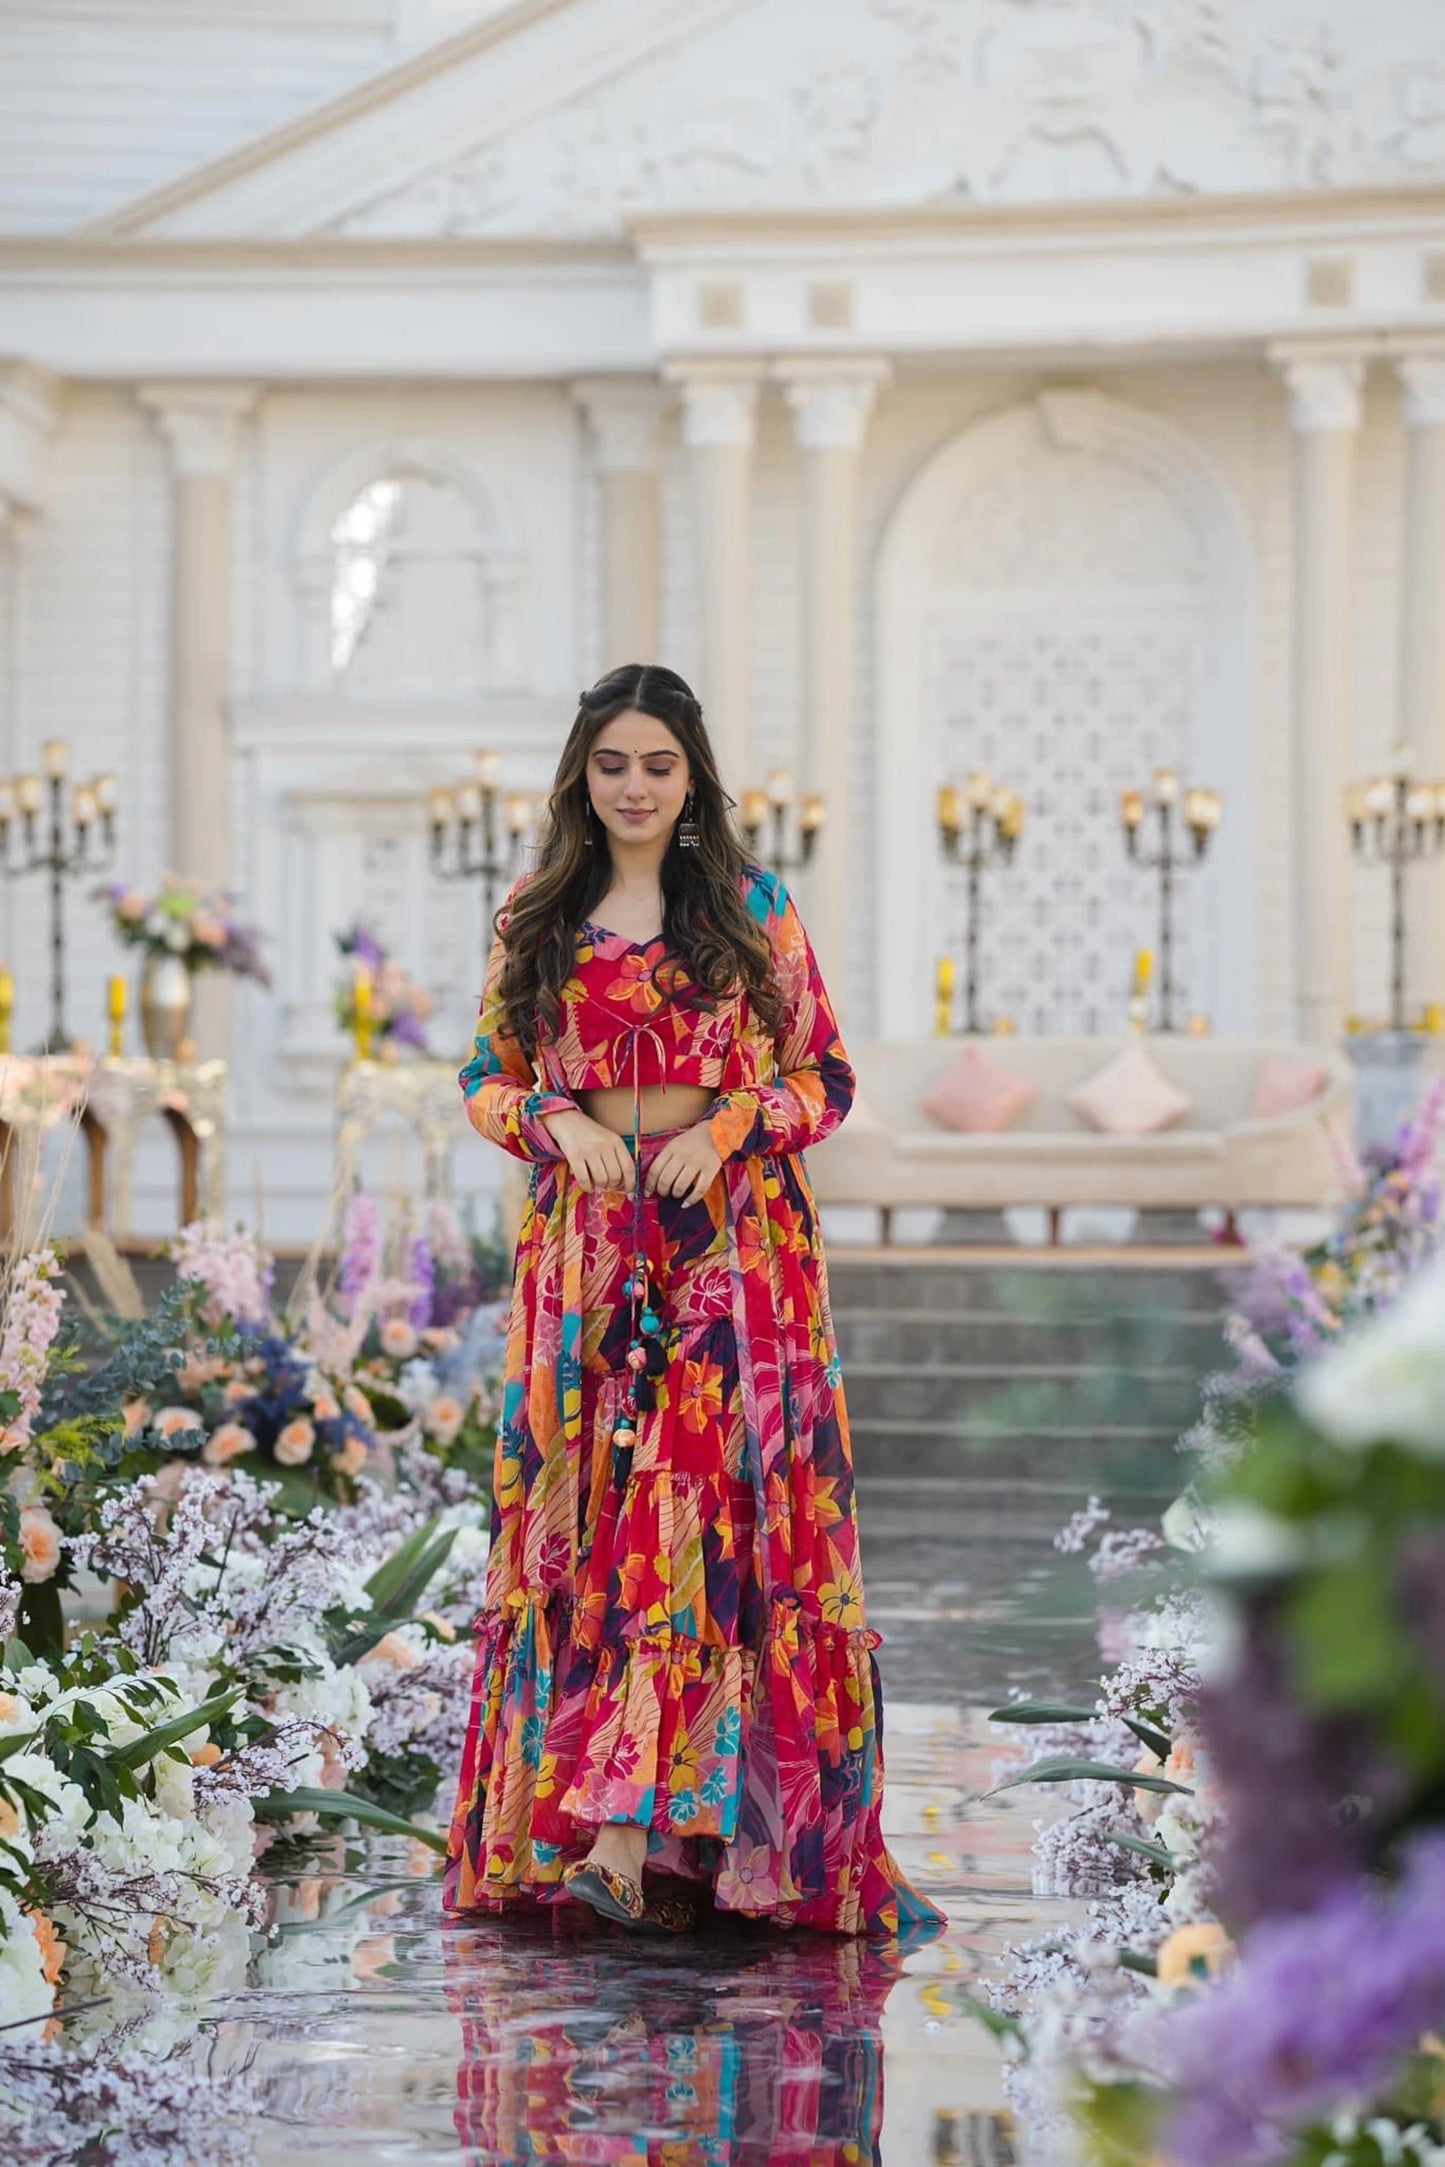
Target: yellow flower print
{"x": 547, "y": 1775}
{"x": 840, "y": 1601}
{"x": 509, "y": 1480}
{"x": 682, "y": 1767}
{"x": 826, "y": 1509}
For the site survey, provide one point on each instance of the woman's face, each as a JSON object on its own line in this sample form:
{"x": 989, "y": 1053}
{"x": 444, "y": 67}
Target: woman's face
{"x": 637, "y": 774}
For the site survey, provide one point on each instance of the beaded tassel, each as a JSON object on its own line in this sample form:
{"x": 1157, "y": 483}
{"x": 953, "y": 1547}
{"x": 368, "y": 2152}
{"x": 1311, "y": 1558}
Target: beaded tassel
{"x": 646, "y": 1358}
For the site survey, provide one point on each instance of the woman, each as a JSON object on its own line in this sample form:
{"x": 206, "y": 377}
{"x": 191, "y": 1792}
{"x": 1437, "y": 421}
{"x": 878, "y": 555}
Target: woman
{"x": 676, "y": 1689}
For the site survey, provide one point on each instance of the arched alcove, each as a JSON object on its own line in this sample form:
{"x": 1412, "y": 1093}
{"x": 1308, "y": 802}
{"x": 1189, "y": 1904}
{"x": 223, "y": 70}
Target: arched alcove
{"x": 409, "y": 575}
{"x": 1063, "y": 599}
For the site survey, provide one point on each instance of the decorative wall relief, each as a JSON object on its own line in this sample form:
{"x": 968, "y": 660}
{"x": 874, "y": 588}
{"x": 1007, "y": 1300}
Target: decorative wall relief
{"x": 917, "y": 101}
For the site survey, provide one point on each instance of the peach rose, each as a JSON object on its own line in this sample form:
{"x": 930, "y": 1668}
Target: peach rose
{"x": 9, "y": 1821}
{"x": 1149, "y": 1803}
{"x": 239, "y": 1388}
{"x": 206, "y": 1756}
{"x": 443, "y": 1627}
{"x": 391, "y": 1648}
{"x": 1192, "y": 1953}
{"x": 398, "y": 1338}
{"x": 352, "y": 1457}
{"x": 226, "y": 1444}
{"x": 293, "y": 1446}
{"x": 136, "y": 1414}
{"x": 51, "y": 1947}
{"x": 325, "y": 1406}
{"x": 355, "y": 1401}
{"x": 172, "y": 1420}
{"x": 156, "y": 1941}
{"x": 443, "y": 1418}
{"x": 40, "y": 1541}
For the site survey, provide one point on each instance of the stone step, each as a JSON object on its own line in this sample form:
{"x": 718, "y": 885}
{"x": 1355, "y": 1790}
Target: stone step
{"x": 1052, "y": 1291}
{"x": 1192, "y": 1344}
{"x": 1070, "y": 1463}
{"x": 1018, "y": 1398}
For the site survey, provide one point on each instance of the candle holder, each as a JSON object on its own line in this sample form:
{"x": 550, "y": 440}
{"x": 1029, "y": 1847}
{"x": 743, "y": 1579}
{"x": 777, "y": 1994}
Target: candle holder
{"x": 771, "y": 808}
{"x": 978, "y": 829}
{"x": 1200, "y": 812}
{"x": 464, "y": 823}
{"x": 1397, "y": 822}
{"x": 66, "y": 854}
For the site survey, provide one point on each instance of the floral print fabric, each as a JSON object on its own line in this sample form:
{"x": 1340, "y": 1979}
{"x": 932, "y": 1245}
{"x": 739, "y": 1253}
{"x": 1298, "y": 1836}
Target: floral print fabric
{"x": 674, "y": 1632}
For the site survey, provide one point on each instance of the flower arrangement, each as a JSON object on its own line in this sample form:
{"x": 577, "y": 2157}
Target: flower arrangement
{"x": 1259, "y": 1976}
{"x": 395, "y": 1007}
{"x": 182, "y": 919}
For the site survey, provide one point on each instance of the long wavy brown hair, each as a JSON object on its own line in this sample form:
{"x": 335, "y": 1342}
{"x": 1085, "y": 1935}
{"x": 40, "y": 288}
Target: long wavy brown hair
{"x": 710, "y": 933}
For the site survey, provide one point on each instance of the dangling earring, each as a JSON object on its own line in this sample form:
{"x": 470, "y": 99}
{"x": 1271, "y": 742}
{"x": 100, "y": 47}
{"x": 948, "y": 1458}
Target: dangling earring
{"x": 687, "y": 827}
{"x": 589, "y": 817}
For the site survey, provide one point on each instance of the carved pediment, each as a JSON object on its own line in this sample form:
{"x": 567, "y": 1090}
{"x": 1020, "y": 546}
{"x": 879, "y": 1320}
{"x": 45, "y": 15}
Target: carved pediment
{"x": 575, "y": 116}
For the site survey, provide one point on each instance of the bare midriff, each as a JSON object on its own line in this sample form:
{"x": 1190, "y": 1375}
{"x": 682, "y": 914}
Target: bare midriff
{"x": 679, "y": 1106}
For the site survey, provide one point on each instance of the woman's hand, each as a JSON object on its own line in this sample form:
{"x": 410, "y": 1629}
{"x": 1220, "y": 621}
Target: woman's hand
{"x": 685, "y": 1166}
{"x": 597, "y": 1155}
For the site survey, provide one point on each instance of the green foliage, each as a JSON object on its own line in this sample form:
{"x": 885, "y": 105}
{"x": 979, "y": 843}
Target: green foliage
{"x": 1119, "y": 2122}
{"x": 405, "y": 1782}
{"x": 1064, "y": 1768}
{"x": 345, "y": 1806}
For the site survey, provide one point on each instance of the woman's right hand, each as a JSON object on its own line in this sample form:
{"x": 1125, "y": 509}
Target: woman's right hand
{"x": 598, "y": 1157}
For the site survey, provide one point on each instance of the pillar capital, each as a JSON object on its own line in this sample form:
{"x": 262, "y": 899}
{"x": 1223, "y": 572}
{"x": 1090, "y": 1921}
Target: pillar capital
{"x": 1422, "y": 386}
{"x": 1324, "y": 387}
{"x": 200, "y": 422}
{"x": 831, "y": 399}
{"x": 29, "y": 406}
{"x": 624, "y": 415}
{"x": 719, "y": 403}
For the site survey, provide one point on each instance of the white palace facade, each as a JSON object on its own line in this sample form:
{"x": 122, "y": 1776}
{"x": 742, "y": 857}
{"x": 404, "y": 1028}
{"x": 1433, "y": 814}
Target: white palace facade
{"x": 1050, "y": 386}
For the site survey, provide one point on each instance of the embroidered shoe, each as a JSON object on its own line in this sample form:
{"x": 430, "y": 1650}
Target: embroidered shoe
{"x": 610, "y": 1894}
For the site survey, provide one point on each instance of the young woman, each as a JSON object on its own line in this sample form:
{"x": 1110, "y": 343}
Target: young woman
{"x": 676, "y": 1697}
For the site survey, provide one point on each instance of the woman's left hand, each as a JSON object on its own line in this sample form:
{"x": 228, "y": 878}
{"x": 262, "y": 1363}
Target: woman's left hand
{"x": 685, "y": 1166}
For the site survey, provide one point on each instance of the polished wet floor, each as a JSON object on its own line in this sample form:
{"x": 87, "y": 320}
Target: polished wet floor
{"x": 378, "y": 2031}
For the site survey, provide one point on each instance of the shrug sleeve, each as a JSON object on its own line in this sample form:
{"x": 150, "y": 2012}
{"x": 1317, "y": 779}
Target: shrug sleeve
{"x": 503, "y": 1100}
{"x": 813, "y": 1085}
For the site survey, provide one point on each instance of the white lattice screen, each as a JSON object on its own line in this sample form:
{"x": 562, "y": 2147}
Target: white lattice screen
{"x": 1068, "y": 702}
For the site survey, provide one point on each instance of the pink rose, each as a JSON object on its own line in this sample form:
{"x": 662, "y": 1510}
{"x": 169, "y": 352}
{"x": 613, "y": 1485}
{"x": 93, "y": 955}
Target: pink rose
{"x": 398, "y": 1338}
{"x": 172, "y": 1420}
{"x": 443, "y": 1418}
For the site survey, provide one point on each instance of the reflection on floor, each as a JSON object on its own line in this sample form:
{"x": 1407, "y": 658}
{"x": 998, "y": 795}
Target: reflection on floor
{"x": 382, "y": 2033}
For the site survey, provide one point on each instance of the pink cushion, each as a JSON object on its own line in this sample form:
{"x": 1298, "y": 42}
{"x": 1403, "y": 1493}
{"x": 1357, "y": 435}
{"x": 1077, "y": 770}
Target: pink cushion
{"x": 1130, "y": 1095}
{"x": 978, "y": 1094}
{"x": 1285, "y": 1086}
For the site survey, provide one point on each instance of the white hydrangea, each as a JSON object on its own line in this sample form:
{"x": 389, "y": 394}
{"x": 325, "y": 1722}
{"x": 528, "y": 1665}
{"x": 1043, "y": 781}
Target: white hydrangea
{"x": 210, "y": 1955}
{"x": 1386, "y": 1378}
{"x": 65, "y": 1799}
{"x": 336, "y": 1696}
{"x": 230, "y": 1822}
{"x": 175, "y": 1792}
{"x": 24, "y": 1989}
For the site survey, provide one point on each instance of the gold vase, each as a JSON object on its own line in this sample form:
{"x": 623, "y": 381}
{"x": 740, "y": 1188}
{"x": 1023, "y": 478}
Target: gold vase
{"x": 165, "y": 1005}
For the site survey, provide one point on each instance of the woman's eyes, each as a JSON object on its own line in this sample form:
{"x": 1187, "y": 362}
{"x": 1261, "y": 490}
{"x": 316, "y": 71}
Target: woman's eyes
{"x": 658, "y": 771}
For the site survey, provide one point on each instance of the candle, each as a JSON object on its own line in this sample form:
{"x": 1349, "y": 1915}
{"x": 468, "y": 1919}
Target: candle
{"x": 53, "y": 758}
{"x": 950, "y": 808}
{"x": 115, "y": 1009}
{"x": 980, "y": 790}
{"x": 487, "y": 764}
{"x": 1420, "y": 802}
{"x": 7, "y": 1007}
{"x": 1378, "y": 796}
{"x": 945, "y": 978}
{"x": 519, "y": 812}
{"x": 1202, "y": 809}
{"x": 439, "y": 805}
{"x": 469, "y": 802}
{"x": 361, "y": 1012}
{"x": 104, "y": 787}
{"x": 755, "y": 808}
{"x": 29, "y": 793}
{"x": 83, "y": 807}
{"x": 1011, "y": 817}
{"x": 780, "y": 786}
{"x": 1131, "y": 807}
{"x": 1166, "y": 786}
{"x": 810, "y": 812}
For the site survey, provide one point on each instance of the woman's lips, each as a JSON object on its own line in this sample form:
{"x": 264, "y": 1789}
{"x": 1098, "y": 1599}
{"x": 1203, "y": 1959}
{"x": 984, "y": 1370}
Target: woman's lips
{"x": 629, "y": 813}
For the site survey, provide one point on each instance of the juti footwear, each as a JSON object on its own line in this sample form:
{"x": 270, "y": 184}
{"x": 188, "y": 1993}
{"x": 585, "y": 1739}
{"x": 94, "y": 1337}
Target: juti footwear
{"x": 611, "y": 1894}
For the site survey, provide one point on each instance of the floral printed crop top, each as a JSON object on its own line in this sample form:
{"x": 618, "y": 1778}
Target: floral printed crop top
{"x": 631, "y": 1016}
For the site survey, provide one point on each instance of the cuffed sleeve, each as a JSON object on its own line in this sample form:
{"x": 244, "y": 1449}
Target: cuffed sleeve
{"x": 812, "y": 1088}
{"x": 501, "y": 1094}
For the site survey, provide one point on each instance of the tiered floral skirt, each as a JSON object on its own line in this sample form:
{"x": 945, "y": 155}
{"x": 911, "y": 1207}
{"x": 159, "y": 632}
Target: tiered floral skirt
{"x": 674, "y": 1633}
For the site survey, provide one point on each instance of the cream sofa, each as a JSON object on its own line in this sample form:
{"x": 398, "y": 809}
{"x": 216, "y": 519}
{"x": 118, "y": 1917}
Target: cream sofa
{"x": 889, "y": 1153}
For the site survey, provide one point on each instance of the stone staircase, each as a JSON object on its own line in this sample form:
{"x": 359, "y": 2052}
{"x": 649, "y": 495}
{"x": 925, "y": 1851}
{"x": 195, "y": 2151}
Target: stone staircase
{"x": 1024, "y": 1383}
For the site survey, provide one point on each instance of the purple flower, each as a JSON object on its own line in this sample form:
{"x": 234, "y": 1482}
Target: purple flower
{"x": 362, "y": 943}
{"x": 1319, "y": 2014}
{"x": 423, "y": 1271}
{"x": 408, "y": 1029}
{"x": 361, "y": 1246}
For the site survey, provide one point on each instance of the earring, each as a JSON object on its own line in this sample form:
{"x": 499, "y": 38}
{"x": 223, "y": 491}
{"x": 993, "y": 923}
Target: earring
{"x": 590, "y": 818}
{"x": 687, "y": 828}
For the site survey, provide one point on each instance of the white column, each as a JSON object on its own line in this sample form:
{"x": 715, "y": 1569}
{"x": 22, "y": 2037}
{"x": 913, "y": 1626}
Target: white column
{"x": 623, "y": 420}
{"x": 830, "y": 403}
{"x": 1422, "y": 640}
{"x": 200, "y": 423}
{"x": 1324, "y": 411}
{"x": 719, "y": 429}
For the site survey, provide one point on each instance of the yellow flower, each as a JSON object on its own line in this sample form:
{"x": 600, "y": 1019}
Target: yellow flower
{"x": 840, "y": 1601}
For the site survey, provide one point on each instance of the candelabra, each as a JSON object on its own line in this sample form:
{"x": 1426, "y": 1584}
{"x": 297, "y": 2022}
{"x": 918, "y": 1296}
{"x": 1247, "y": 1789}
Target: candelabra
{"x": 65, "y": 855}
{"x": 1202, "y": 810}
{"x": 1397, "y": 823}
{"x": 984, "y": 837}
{"x": 775, "y": 802}
{"x": 464, "y": 830}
